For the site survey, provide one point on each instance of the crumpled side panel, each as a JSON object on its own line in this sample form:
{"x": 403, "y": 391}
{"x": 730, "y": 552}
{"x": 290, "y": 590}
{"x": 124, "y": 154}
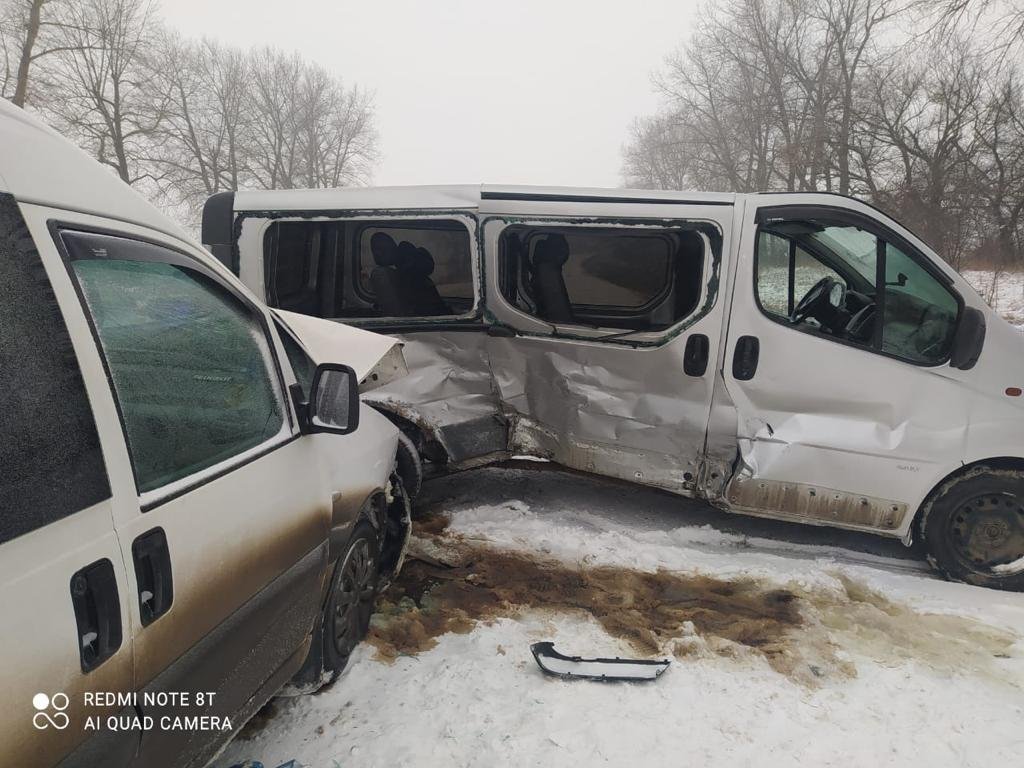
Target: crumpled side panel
{"x": 449, "y": 393}
{"x": 618, "y": 411}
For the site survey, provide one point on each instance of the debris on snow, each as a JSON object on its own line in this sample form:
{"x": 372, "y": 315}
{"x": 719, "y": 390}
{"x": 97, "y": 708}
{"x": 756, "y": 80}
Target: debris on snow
{"x": 613, "y": 670}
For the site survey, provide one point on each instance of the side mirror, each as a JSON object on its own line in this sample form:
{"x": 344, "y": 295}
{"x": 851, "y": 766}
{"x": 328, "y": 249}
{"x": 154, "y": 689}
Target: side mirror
{"x": 968, "y": 340}
{"x": 333, "y": 404}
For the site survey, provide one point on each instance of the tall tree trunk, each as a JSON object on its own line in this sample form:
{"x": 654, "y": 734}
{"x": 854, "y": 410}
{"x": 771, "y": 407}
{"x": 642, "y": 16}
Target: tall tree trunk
{"x": 25, "y": 62}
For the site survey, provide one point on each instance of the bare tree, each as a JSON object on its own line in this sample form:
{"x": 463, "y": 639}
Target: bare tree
{"x": 29, "y": 30}
{"x": 178, "y": 118}
{"x": 101, "y": 91}
{"x": 197, "y": 147}
{"x": 846, "y": 96}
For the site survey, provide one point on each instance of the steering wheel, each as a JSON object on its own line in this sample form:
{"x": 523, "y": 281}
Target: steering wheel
{"x": 817, "y": 298}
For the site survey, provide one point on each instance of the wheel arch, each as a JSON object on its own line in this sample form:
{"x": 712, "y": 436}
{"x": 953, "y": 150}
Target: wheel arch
{"x": 426, "y": 437}
{"x": 992, "y": 462}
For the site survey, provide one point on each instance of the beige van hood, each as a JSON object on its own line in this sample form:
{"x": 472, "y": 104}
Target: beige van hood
{"x": 376, "y": 359}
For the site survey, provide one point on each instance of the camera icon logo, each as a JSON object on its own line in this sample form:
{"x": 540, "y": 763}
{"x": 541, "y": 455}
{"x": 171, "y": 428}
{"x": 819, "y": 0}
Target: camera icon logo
{"x": 43, "y": 718}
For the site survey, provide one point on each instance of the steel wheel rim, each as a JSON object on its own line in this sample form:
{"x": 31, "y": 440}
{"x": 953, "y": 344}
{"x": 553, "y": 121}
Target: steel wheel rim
{"x": 987, "y": 534}
{"x": 353, "y": 602}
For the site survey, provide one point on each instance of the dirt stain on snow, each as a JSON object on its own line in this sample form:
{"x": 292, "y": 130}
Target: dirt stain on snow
{"x": 449, "y": 584}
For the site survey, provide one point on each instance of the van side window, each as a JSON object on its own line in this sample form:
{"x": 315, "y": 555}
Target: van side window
{"x": 609, "y": 277}
{"x": 368, "y": 269}
{"x": 49, "y": 449}
{"x": 779, "y": 293}
{"x": 190, "y": 363}
{"x": 837, "y": 279}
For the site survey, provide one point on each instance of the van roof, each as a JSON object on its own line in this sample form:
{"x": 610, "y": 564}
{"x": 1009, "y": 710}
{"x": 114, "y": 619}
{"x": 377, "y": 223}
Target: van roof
{"x": 451, "y": 197}
{"x": 38, "y": 165}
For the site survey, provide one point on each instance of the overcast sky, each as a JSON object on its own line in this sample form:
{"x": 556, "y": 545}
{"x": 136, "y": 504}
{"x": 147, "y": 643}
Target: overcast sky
{"x": 522, "y": 91}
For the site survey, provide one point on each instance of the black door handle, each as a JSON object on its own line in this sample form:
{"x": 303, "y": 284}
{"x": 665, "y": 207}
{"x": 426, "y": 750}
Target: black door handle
{"x": 97, "y": 613}
{"x": 153, "y": 574}
{"x": 695, "y": 356}
{"x": 744, "y": 359}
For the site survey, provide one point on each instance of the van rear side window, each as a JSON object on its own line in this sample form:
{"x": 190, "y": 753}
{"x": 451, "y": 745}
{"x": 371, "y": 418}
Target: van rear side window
{"x": 49, "y": 449}
{"x": 636, "y": 279}
{"x": 368, "y": 269}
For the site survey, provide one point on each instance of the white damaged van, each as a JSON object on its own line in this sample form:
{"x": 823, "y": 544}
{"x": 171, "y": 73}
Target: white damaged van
{"x": 195, "y": 508}
{"x": 796, "y": 356}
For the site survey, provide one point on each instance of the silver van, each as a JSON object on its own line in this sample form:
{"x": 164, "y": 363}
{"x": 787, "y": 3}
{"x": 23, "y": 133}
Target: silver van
{"x": 796, "y": 356}
{"x": 189, "y": 517}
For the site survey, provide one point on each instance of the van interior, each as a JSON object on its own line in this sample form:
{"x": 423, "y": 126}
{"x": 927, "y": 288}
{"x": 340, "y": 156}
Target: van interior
{"x": 366, "y": 269}
{"x": 635, "y": 279}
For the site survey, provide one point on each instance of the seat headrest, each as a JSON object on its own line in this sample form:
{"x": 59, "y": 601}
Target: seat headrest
{"x": 384, "y": 250}
{"x": 404, "y": 254}
{"x": 553, "y": 250}
{"x": 421, "y": 263}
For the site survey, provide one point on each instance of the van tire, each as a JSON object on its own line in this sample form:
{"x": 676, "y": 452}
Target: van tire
{"x": 973, "y": 524}
{"x": 410, "y": 466}
{"x": 347, "y": 612}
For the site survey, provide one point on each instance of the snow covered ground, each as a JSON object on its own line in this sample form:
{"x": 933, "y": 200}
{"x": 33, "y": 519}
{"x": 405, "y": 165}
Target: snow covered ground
{"x": 1004, "y": 292}
{"x": 800, "y": 645}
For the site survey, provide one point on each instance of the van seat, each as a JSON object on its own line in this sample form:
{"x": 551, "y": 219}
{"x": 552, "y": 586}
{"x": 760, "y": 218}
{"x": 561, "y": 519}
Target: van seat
{"x": 548, "y": 283}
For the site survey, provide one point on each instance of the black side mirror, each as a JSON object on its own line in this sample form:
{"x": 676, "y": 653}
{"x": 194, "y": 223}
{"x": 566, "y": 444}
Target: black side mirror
{"x": 968, "y": 340}
{"x": 333, "y": 404}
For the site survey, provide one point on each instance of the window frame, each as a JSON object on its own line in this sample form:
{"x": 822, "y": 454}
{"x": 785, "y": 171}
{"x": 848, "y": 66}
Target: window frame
{"x": 355, "y": 248}
{"x": 178, "y": 257}
{"x": 711, "y": 238}
{"x": 621, "y": 310}
{"x": 882, "y": 233}
{"x": 472, "y": 320}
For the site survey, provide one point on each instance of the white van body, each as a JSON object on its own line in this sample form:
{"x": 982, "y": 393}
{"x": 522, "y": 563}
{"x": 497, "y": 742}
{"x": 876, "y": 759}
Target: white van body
{"x": 704, "y": 391}
{"x": 115, "y": 579}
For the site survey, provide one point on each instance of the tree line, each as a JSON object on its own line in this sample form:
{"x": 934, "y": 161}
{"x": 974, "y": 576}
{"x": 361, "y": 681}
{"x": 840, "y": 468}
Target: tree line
{"x": 179, "y": 118}
{"x": 914, "y": 105}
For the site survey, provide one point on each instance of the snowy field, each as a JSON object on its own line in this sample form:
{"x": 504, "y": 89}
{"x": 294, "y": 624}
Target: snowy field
{"x": 1004, "y": 292}
{"x": 789, "y": 645}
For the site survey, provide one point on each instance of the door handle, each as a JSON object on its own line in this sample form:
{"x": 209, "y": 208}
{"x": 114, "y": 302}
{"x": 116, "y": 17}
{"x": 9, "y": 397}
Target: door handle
{"x": 153, "y": 575}
{"x": 97, "y": 613}
{"x": 695, "y": 356}
{"x": 744, "y": 359}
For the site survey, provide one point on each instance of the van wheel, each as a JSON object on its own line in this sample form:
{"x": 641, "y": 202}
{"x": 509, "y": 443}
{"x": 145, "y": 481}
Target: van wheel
{"x": 973, "y": 529}
{"x": 347, "y": 613}
{"x": 410, "y": 467}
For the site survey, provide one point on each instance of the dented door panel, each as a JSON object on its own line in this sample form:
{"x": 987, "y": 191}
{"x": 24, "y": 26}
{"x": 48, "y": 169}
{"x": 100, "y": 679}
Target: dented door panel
{"x": 830, "y": 433}
{"x": 608, "y": 410}
{"x": 619, "y": 407}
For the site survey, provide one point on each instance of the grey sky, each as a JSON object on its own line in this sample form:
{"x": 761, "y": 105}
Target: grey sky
{"x": 534, "y": 91}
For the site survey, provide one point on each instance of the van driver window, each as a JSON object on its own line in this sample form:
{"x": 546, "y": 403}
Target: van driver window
{"x": 369, "y": 269}
{"x": 823, "y": 277}
{"x": 607, "y": 277}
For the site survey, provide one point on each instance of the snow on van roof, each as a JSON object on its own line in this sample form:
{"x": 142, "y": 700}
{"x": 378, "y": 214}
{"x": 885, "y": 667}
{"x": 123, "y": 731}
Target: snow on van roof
{"x": 449, "y": 197}
{"x": 38, "y": 165}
